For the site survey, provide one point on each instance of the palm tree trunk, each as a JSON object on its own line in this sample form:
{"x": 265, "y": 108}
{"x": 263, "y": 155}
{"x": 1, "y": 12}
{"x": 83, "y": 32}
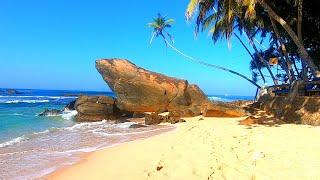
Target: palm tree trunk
{"x": 299, "y": 33}
{"x": 259, "y": 69}
{"x": 295, "y": 67}
{"x": 261, "y": 58}
{"x": 299, "y": 22}
{"x": 210, "y": 65}
{"x": 283, "y": 52}
{"x": 302, "y": 51}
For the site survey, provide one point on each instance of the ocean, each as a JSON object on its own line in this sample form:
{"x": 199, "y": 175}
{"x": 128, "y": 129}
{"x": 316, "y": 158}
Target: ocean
{"x": 32, "y": 146}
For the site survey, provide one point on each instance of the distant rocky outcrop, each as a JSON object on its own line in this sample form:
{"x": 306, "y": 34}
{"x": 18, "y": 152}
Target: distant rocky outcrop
{"x": 97, "y": 108}
{"x": 11, "y": 92}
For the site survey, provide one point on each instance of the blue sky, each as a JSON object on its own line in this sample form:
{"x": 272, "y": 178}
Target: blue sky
{"x": 48, "y": 44}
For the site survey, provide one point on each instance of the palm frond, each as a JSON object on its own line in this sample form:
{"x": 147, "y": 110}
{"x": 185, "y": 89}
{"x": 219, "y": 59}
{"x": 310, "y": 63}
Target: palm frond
{"x": 191, "y": 8}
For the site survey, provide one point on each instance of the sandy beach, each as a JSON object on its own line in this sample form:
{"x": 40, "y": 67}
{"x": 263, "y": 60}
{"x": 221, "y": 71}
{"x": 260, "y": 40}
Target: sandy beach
{"x": 213, "y": 148}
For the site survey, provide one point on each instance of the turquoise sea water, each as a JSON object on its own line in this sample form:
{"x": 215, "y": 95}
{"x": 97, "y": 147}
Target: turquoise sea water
{"x": 18, "y": 112}
{"x": 32, "y": 146}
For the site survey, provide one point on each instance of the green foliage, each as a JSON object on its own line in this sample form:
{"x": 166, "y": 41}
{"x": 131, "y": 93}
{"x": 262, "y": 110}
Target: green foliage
{"x": 159, "y": 26}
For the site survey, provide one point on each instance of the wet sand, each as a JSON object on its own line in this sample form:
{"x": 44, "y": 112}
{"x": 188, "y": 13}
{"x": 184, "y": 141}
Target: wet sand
{"x": 213, "y": 148}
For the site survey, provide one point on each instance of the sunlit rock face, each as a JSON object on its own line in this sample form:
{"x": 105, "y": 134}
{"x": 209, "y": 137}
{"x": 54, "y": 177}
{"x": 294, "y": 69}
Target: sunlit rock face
{"x": 140, "y": 90}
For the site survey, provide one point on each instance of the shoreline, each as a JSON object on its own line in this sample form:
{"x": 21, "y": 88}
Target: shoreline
{"x": 213, "y": 148}
{"x": 159, "y": 131}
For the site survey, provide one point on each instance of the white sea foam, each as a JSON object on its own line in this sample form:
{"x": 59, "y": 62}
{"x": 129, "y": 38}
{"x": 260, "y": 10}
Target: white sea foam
{"x": 214, "y": 98}
{"x": 13, "y": 141}
{"x": 25, "y": 101}
{"x": 15, "y": 114}
{"x": 123, "y": 125}
{"x": 85, "y": 124}
{"x": 52, "y": 97}
{"x": 68, "y": 115}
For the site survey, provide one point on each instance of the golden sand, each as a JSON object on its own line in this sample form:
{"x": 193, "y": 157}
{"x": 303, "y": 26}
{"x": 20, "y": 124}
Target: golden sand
{"x": 213, "y": 148}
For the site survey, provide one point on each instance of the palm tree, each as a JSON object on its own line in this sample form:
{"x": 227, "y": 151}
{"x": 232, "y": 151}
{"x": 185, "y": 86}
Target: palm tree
{"x": 222, "y": 22}
{"x": 206, "y": 6}
{"x": 159, "y": 26}
{"x": 295, "y": 38}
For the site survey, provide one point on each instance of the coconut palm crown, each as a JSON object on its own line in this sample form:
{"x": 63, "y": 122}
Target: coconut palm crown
{"x": 159, "y": 25}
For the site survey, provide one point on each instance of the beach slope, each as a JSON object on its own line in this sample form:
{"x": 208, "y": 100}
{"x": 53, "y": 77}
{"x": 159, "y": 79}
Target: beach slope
{"x": 213, "y": 148}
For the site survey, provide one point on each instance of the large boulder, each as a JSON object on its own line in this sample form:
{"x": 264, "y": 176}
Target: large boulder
{"x": 96, "y": 108}
{"x": 140, "y": 90}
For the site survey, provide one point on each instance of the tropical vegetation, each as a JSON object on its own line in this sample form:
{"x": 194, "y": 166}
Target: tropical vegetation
{"x": 159, "y": 26}
{"x": 290, "y": 43}
{"x": 289, "y": 28}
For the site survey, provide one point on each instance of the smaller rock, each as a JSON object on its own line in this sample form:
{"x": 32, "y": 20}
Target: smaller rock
{"x": 51, "y": 112}
{"x": 97, "y": 108}
{"x": 159, "y": 168}
{"x": 70, "y": 106}
{"x": 201, "y": 119}
{"x": 175, "y": 115}
{"x": 174, "y": 121}
{"x": 154, "y": 118}
{"x": 119, "y": 121}
{"x": 138, "y": 115}
{"x": 137, "y": 126}
{"x": 221, "y": 109}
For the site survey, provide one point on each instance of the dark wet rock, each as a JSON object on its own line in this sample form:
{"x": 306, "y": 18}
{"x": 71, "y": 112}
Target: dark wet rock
{"x": 96, "y": 108}
{"x": 51, "y": 112}
{"x": 137, "y": 126}
{"x": 121, "y": 120}
{"x": 70, "y": 106}
{"x": 138, "y": 115}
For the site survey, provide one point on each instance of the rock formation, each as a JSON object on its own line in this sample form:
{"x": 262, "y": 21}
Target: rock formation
{"x": 221, "y": 109}
{"x": 299, "y": 109}
{"x": 96, "y": 108}
{"x": 140, "y": 90}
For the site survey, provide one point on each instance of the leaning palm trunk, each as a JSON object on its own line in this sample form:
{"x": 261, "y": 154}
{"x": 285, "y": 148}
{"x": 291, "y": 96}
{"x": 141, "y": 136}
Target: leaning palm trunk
{"x": 246, "y": 48}
{"x": 210, "y": 65}
{"x": 283, "y": 53}
{"x": 262, "y": 59}
{"x": 299, "y": 33}
{"x": 299, "y": 21}
{"x": 302, "y": 51}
